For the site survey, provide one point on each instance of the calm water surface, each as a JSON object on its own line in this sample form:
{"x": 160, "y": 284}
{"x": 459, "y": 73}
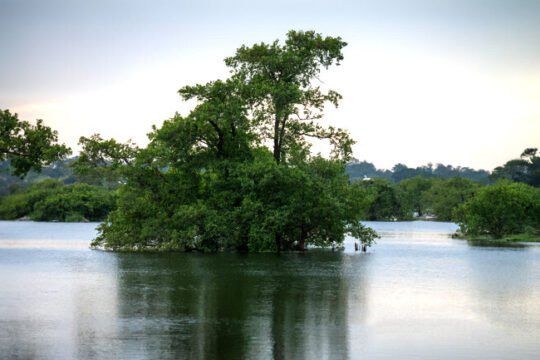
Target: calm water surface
{"x": 417, "y": 294}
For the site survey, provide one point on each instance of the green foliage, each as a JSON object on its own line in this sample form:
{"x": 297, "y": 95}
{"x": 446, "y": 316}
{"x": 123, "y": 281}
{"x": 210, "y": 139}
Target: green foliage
{"x": 381, "y": 201}
{"x": 400, "y": 172}
{"x": 278, "y": 85}
{"x": 58, "y": 170}
{"x": 21, "y": 203}
{"x": 363, "y": 233}
{"x": 445, "y": 195}
{"x": 412, "y": 191}
{"x": 28, "y": 146}
{"x": 100, "y": 161}
{"x": 75, "y": 203}
{"x": 51, "y": 200}
{"x": 207, "y": 182}
{"x": 254, "y": 205}
{"x": 505, "y": 208}
{"x": 526, "y": 169}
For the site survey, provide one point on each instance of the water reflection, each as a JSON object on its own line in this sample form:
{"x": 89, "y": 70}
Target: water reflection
{"x": 497, "y": 244}
{"x": 56, "y": 305}
{"x": 237, "y": 306}
{"x": 505, "y": 287}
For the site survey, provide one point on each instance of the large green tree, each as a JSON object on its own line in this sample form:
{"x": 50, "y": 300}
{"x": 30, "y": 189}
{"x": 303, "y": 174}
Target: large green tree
{"x": 208, "y": 182}
{"x": 28, "y": 146}
{"x": 278, "y": 82}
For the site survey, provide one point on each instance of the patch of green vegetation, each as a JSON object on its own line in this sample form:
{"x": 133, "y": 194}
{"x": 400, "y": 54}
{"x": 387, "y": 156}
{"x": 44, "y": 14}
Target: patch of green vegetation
{"x": 50, "y": 200}
{"x": 501, "y": 210}
{"x": 28, "y": 146}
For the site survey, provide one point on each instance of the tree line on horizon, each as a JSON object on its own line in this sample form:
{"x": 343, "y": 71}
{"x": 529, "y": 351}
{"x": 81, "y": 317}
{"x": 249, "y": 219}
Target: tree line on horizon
{"x": 363, "y": 169}
{"x": 62, "y": 170}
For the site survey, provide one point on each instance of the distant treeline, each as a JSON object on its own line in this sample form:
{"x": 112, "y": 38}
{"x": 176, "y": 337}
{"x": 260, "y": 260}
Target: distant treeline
{"x": 59, "y": 170}
{"x": 363, "y": 169}
{"x": 355, "y": 169}
{"x": 508, "y": 205}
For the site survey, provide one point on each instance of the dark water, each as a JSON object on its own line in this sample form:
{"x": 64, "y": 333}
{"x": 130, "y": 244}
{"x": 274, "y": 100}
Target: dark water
{"x": 417, "y": 294}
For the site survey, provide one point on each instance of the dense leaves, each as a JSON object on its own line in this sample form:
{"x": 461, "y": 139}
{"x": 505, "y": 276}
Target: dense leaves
{"x": 499, "y": 210}
{"x": 100, "y": 161}
{"x": 51, "y": 200}
{"x": 208, "y": 182}
{"x": 443, "y": 196}
{"x": 28, "y": 146}
{"x": 254, "y": 205}
{"x": 381, "y": 200}
{"x": 412, "y": 191}
{"x": 416, "y": 197}
{"x": 278, "y": 84}
{"x": 526, "y": 169}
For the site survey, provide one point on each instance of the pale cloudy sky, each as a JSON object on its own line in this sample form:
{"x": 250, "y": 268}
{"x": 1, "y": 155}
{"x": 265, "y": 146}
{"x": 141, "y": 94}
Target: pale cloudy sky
{"x": 456, "y": 82}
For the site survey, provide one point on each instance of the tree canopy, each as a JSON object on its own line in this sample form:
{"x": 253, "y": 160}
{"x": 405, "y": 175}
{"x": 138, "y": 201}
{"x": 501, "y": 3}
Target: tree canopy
{"x": 499, "y": 210}
{"x": 526, "y": 169}
{"x": 278, "y": 84}
{"x": 208, "y": 181}
{"x": 101, "y": 161}
{"x": 28, "y": 146}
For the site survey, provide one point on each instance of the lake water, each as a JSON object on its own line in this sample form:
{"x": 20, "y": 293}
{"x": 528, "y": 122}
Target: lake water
{"x": 417, "y": 294}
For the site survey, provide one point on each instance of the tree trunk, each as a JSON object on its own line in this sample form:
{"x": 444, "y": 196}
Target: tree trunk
{"x": 302, "y": 242}
{"x": 277, "y": 238}
{"x": 277, "y": 150}
{"x": 279, "y": 134}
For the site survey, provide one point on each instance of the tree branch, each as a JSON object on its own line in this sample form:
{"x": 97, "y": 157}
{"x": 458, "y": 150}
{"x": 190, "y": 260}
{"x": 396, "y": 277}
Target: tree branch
{"x": 8, "y": 152}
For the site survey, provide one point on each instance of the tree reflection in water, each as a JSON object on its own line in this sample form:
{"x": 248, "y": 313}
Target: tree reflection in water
{"x": 237, "y": 305}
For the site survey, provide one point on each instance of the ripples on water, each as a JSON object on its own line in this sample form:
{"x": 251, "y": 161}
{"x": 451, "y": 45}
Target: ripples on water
{"x": 417, "y": 294}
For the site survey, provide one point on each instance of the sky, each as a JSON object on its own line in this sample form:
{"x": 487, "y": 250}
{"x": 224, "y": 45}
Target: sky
{"x": 453, "y": 82}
